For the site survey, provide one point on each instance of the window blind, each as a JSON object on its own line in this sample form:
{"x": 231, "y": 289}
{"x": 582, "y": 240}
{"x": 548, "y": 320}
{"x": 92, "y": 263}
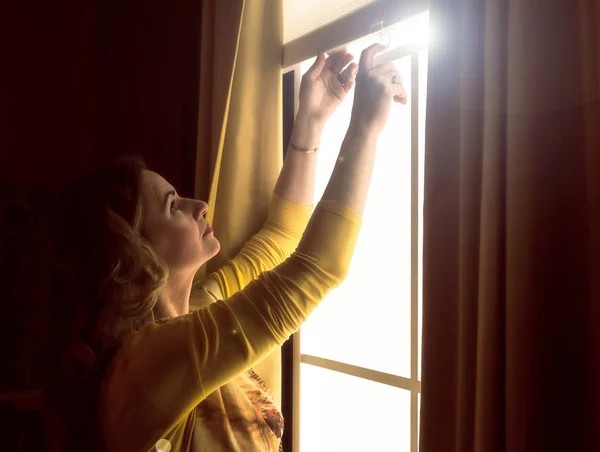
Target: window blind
{"x": 303, "y": 16}
{"x": 310, "y": 25}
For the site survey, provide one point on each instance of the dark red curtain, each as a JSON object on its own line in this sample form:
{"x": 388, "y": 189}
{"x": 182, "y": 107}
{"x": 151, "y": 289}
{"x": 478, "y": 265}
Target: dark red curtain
{"x": 511, "y": 236}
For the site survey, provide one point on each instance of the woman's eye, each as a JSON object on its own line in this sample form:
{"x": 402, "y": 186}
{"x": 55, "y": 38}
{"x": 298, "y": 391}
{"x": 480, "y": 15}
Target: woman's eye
{"x": 174, "y": 206}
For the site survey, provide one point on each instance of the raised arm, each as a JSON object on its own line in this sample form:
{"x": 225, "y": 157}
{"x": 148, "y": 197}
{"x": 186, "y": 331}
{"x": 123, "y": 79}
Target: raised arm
{"x": 170, "y": 368}
{"x": 324, "y": 86}
{"x": 375, "y": 89}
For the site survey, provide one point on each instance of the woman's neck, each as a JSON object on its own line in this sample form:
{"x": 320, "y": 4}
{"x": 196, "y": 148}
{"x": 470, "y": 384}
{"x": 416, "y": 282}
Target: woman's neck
{"x": 174, "y": 300}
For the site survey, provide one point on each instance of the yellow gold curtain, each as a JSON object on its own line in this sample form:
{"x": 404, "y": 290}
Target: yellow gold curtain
{"x": 240, "y": 131}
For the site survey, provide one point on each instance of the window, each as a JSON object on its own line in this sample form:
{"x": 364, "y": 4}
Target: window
{"x": 358, "y": 376}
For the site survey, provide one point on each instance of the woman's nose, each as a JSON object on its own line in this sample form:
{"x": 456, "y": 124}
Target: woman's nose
{"x": 200, "y": 208}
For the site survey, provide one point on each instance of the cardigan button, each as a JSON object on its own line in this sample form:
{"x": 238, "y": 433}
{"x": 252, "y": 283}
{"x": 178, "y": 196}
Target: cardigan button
{"x": 163, "y": 445}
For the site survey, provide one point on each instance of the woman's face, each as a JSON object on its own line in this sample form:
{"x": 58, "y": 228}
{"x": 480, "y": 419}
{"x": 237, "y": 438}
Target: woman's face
{"x": 175, "y": 226}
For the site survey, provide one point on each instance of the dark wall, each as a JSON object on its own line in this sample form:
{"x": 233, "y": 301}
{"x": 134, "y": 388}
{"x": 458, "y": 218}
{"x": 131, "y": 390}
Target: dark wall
{"x": 48, "y": 91}
{"x": 83, "y": 82}
{"x": 149, "y": 77}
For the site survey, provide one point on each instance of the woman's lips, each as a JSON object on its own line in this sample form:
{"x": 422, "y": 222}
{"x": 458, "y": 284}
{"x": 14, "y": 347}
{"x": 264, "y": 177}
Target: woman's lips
{"x": 207, "y": 231}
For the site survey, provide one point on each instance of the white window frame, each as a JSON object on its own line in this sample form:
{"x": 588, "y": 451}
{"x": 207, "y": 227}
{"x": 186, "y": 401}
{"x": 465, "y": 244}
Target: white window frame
{"x": 369, "y": 20}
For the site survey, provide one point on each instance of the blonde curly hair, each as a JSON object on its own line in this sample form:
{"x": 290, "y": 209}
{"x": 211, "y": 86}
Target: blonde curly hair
{"x": 96, "y": 282}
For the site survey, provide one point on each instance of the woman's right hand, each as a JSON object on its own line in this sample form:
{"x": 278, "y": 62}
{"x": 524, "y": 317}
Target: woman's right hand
{"x": 375, "y": 90}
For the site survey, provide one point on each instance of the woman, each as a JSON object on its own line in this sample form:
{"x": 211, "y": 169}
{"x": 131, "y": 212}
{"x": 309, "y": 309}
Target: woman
{"x": 119, "y": 339}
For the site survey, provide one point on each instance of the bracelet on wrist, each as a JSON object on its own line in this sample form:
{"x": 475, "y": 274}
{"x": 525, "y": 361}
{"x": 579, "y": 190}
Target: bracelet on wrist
{"x": 307, "y": 151}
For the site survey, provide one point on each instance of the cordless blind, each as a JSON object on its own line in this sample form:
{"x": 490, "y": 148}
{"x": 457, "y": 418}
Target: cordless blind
{"x": 303, "y": 16}
{"x": 312, "y": 25}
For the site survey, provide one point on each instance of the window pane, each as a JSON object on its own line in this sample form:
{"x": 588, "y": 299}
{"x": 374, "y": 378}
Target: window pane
{"x": 366, "y": 321}
{"x": 335, "y": 405}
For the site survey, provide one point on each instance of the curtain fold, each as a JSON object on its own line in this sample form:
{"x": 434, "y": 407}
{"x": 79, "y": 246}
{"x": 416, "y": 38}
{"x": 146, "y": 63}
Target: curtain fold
{"x": 240, "y": 126}
{"x": 511, "y": 322}
{"x": 239, "y": 139}
{"x": 220, "y": 35}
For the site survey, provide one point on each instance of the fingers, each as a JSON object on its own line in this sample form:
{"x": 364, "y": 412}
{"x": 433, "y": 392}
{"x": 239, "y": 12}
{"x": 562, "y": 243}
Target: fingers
{"x": 317, "y": 66}
{"x": 394, "y": 82}
{"x": 338, "y": 61}
{"x": 335, "y": 62}
{"x": 367, "y": 55}
{"x": 386, "y": 67}
{"x": 390, "y": 76}
{"x": 400, "y": 95}
{"x": 347, "y": 77}
{"x": 396, "y": 87}
{"x": 400, "y": 100}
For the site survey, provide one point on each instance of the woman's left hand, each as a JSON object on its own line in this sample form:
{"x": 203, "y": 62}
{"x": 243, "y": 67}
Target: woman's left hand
{"x": 325, "y": 85}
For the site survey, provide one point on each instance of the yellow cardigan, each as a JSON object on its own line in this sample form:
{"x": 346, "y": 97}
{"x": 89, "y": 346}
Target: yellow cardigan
{"x": 188, "y": 382}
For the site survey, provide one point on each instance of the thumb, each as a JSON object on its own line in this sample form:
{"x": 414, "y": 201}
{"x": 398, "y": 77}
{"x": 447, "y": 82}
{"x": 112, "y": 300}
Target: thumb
{"x": 317, "y": 66}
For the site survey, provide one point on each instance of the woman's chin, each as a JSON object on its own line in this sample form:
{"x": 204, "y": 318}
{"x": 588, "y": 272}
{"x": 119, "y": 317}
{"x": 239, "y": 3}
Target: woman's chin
{"x": 211, "y": 247}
